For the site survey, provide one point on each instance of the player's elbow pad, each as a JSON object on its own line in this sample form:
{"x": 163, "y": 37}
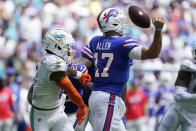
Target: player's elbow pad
{"x": 73, "y": 94}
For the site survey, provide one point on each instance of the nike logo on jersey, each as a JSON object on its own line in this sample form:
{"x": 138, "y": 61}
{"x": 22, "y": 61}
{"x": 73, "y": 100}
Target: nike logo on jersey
{"x": 103, "y": 46}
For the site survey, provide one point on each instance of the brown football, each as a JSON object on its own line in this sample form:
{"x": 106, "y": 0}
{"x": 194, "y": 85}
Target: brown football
{"x": 139, "y": 17}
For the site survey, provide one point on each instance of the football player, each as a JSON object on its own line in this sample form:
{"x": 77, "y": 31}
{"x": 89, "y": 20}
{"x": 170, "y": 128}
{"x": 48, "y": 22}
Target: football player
{"x": 85, "y": 93}
{"x": 112, "y": 54}
{"x": 88, "y": 90}
{"x": 47, "y": 113}
{"x": 182, "y": 112}
{"x": 70, "y": 108}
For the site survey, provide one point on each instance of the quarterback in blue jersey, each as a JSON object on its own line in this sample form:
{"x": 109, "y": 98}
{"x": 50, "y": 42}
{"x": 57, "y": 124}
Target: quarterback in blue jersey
{"x": 87, "y": 91}
{"x": 112, "y": 54}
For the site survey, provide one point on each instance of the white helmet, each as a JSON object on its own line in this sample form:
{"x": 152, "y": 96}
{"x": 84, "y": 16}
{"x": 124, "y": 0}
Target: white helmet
{"x": 111, "y": 19}
{"x": 194, "y": 53}
{"x": 59, "y": 42}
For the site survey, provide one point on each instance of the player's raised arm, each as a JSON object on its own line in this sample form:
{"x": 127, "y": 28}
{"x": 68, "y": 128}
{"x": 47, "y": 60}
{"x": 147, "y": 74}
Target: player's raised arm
{"x": 142, "y": 52}
{"x": 155, "y": 48}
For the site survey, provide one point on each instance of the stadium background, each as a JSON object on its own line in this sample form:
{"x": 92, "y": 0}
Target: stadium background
{"x": 23, "y": 22}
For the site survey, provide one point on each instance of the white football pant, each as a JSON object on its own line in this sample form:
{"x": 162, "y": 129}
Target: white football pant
{"x": 177, "y": 116}
{"x": 107, "y": 111}
{"x": 50, "y": 120}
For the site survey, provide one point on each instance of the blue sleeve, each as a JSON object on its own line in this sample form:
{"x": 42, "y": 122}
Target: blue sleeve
{"x": 78, "y": 67}
{"x": 128, "y": 44}
{"x": 87, "y": 52}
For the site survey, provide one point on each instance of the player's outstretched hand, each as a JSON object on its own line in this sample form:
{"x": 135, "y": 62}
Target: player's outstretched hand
{"x": 81, "y": 114}
{"x": 158, "y": 22}
{"x": 85, "y": 78}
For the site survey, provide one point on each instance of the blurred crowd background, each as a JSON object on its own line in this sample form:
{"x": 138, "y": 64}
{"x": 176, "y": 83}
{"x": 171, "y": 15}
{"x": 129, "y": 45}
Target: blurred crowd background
{"x": 23, "y": 23}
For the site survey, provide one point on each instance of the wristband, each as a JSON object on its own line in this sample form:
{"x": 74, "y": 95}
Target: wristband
{"x": 78, "y": 74}
{"x": 158, "y": 29}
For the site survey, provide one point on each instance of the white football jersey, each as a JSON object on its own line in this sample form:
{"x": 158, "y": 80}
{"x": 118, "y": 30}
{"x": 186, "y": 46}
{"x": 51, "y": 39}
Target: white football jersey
{"x": 46, "y": 93}
{"x": 189, "y": 66}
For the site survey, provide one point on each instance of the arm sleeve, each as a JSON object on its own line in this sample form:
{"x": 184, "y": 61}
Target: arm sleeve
{"x": 87, "y": 53}
{"x": 181, "y": 94}
{"x": 128, "y": 45}
{"x": 136, "y": 53}
{"x": 78, "y": 67}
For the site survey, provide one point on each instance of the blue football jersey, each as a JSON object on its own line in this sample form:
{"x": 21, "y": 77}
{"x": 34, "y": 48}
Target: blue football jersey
{"x": 110, "y": 56}
{"x": 69, "y": 106}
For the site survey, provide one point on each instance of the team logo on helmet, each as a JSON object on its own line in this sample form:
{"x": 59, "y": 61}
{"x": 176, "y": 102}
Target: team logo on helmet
{"x": 111, "y": 19}
{"x": 111, "y": 13}
{"x": 58, "y": 37}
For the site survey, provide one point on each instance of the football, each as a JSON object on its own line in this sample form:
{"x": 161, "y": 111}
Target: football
{"x": 139, "y": 17}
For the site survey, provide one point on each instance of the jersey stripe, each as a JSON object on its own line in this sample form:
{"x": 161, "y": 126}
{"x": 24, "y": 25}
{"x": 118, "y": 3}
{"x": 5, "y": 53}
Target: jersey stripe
{"x": 124, "y": 122}
{"x": 130, "y": 40}
{"x": 88, "y": 50}
{"x": 61, "y": 93}
{"x": 89, "y": 55}
{"x": 129, "y": 44}
{"x": 85, "y": 48}
{"x": 32, "y": 119}
{"x": 84, "y": 70}
{"x": 75, "y": 124}
{"x": 109, "y": 113}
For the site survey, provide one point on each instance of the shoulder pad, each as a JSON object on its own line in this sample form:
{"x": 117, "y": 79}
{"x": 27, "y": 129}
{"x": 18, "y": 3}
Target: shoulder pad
{"x": 54, "y": 63}
{"x": 188, "y": 65}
